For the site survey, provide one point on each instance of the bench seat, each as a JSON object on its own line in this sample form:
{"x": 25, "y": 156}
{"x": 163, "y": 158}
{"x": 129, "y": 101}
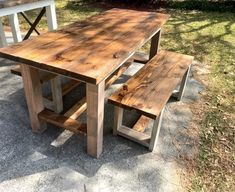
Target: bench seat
{"x": 148, "y": 91}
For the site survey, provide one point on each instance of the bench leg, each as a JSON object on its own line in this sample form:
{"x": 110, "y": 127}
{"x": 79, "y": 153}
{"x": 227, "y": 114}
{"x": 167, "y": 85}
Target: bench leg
{"x": 3, "y": 41}
{"x": 15, "y": 27}
{"x": 180, "y": 94}
{"x": 51, "y": 17}
{"x": 118, "y": 115}
{"x": 155, "y": 42}
{"x": 33, "y": 94}
{"x": 155, "y": 131}
{"x": 57, "y": 94}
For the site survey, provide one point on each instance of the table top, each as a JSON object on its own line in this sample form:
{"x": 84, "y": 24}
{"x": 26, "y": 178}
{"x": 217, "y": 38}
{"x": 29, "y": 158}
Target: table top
{"x": 11, "y": 3}
{"x": 90, "y": 50}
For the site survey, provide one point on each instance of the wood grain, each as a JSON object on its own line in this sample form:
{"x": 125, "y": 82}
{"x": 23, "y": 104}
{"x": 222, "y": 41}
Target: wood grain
{"x": 75, "y": 111}
{"x": 142, "y": 123}
{"x": 117, "y": 74}
{"x": 62, "y": 121}
{"x": 134, "y": 135}
{"x": 89, "y": 50}
{"x": 150, "y": 88}
{"x": 33, "y": 94}
{"x": 56, "y": 92}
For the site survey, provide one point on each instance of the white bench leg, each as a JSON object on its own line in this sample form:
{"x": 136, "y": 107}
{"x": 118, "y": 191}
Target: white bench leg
{"x": 183, "y": 85}
{"x": 3, "y": 41}
{"x": 118, "y": 115}
{"x": 57, "y": 94}
{"x": 15, "y": 27}
{"x": 51, "y": 17}
{"x": 155, "y": 131}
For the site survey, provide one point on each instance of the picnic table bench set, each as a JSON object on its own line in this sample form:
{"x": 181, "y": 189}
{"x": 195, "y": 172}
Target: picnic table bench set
{"x": 96, "y": 52}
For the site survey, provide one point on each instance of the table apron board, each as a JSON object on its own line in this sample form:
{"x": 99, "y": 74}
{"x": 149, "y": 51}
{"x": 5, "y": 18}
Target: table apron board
{"x": 25, "y": 7}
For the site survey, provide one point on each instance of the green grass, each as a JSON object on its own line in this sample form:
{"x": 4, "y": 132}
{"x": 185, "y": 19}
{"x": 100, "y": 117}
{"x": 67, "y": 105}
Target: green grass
{"x": 210, "y": 37}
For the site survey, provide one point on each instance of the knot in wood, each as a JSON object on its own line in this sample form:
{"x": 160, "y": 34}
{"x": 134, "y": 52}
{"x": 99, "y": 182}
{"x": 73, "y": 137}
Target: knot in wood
{"x": 125, "y": 87}
{"x": 119, "y": 54}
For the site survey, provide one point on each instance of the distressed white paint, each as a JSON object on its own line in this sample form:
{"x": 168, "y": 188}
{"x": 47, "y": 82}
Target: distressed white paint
{"x": 2, "y": 36}
{"x": 51, "y": 17}
{"x": 25, "y": 7}
{"x": 15, "y": 27}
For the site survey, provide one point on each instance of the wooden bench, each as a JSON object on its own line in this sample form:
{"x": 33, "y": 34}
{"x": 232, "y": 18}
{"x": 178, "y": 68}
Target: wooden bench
{"x": 148, "y": 91}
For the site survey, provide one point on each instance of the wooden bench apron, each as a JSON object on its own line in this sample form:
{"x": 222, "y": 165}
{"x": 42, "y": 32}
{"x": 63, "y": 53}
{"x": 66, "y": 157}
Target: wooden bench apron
{"x": 148, "y": 91}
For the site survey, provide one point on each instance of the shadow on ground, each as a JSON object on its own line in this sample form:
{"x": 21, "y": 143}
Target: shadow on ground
{"x": 32, "y": 162}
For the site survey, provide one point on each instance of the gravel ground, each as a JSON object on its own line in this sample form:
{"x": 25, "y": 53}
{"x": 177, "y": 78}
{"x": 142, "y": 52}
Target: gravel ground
{"x": 48, "y": 162}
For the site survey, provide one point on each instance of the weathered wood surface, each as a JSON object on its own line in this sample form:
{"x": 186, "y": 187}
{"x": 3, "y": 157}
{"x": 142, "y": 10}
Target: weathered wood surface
{"x": 11, "y": 3}
{"x": 142, "y": 123}
{"x": 75, "y": 111}
{"x": 89, "y": 50}
{"x": 134, "y": 135}
{"x": 62, "y": 121}
{"x": 33, "y": 94}
{"x": 95, "y": 118}
{"x": 150, "y": 88}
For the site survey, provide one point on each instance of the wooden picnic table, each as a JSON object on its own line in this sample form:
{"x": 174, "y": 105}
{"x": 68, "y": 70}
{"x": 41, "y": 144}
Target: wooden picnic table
{"x": 88, "y": 51}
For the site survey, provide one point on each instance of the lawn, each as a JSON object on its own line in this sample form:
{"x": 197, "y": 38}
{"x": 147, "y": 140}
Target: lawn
{"x": 210, "y": 37}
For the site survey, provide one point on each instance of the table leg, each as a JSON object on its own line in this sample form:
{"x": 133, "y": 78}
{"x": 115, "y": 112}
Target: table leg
{"x": 33, "y": 94}
{"x": 95, "y": 118}
{"x": 15, "y": 27}
{"x": 155, "y": 42}
{"x": 51, "y": 17}
{"x": 57, "y": 94}
{"x": 3, "y": 41}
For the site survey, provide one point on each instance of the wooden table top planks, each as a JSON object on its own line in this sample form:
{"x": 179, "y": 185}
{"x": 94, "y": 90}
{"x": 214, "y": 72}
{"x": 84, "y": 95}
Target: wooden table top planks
{"x": 90, "y": 50}
{"x": 11, "y": 3}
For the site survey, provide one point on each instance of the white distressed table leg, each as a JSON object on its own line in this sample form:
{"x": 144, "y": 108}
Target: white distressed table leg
{"x": 183, "y": 84}
{"x": 57, "y": 94}
{"x": 155, "y": 131}
{"x": 15, "y": 27}
{"x": 51, "y": 16}
{"x": 95, "y": 118}
{"x": 3, "y": 41}
{"x": 33, "y": 94}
